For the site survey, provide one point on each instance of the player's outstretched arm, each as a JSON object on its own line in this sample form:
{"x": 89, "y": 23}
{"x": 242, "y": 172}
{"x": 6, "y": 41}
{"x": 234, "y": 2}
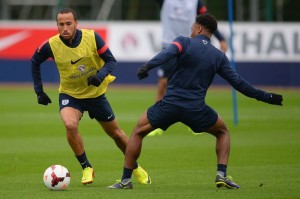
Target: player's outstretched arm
{"x": 275, "y": 99}
{"x": 244, "y": 87}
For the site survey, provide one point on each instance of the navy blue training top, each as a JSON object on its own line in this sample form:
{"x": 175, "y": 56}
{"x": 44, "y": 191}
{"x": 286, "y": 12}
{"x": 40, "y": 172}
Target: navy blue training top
{"x": 198, "y": 61}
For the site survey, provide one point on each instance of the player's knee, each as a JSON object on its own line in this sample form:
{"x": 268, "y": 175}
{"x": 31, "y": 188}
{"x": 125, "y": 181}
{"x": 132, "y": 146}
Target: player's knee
{"x": 117, "y": 134}
{"x": 71, "y": 126}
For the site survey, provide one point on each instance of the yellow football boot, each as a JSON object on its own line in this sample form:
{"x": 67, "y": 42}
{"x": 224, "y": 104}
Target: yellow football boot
{"x": 87, "y": 175}
{"x": 141, "y": 175}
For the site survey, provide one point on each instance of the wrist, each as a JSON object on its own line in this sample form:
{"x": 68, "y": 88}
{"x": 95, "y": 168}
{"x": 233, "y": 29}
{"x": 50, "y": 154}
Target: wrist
{"x": 101, "y": 75}
{"x": 146, "y": 67}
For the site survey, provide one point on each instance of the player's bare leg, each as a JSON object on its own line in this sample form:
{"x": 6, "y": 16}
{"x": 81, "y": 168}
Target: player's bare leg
{"x": 121, "y": 140}
{"x": 161, "y": 90}
{"x": 134, "y": 146}
{"x": 220, "y": 131}
{"x": 133, "y": 151}
{"x": 113, "y": 130}
{"x": 71, "y": 118}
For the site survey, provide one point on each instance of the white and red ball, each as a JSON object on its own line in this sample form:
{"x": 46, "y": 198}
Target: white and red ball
{"x": 56, "y": 177}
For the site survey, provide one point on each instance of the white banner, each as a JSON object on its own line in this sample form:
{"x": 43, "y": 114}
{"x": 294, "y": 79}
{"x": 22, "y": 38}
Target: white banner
{"x": 254, "y": 42}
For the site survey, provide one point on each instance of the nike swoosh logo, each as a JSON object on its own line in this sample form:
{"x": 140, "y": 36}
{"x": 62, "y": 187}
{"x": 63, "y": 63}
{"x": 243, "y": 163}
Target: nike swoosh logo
{"x": 74, "y": 62}
{"x": 109, "y": 116}
{"x": 8, "y": 41}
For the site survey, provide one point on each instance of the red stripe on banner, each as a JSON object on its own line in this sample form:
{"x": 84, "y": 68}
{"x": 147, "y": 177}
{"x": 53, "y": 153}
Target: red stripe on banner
{"x": 21, "y": 43}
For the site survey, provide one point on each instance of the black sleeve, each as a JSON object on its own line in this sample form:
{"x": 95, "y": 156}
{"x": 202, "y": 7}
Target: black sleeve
{"x": 41, "y": 54}
{"x": 218, "y": 35}
{"x": 173, "y": 50}
{"x": 240, "y": 84}
{"x": 105, "y": 54}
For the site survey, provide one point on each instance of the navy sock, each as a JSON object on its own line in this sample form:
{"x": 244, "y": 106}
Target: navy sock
{"x": 136, "y": 165}
{"x": 82, "y": 159}
{"x": 221, "y": 170}
{"x": 127, "y": 173}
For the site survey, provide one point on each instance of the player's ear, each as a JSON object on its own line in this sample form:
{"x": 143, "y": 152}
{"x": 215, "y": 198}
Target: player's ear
{"x": 199, "y": 29}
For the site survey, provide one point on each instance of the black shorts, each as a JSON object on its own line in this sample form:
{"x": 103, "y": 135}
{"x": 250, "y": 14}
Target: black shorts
{"x": 98, "y": 108}
{"x": 162, "y": 115}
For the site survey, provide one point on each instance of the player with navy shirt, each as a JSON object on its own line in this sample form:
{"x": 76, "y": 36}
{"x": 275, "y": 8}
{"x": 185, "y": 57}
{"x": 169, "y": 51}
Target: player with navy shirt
{"x": 198, "y": 61}
{"x": 84, "y": 63}
{"x": 177, "y": 17}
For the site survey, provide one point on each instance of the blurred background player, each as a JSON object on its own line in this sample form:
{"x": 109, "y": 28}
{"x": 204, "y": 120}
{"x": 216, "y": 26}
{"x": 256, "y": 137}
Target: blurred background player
{"x": 177, "y": 17}
{"x": 198, "y": 61}
{"x": 84, "y": 64}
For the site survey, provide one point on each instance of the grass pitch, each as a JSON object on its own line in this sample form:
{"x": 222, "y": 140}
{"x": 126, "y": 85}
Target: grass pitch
{"x": 264, "y": 161}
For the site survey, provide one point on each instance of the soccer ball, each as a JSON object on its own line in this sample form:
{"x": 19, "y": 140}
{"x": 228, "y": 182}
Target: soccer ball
{"x": 56, "y": 177}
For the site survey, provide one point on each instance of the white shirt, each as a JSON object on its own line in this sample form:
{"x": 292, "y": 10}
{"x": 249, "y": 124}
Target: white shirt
{"x": 177, "y": 17}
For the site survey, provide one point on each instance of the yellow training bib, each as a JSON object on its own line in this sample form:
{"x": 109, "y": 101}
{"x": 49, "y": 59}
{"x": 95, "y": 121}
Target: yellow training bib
{"x": 75, "y": 65}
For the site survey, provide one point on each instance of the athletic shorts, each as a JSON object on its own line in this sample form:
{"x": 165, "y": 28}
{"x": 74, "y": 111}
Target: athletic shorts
{"x": 98, "y": 108}
{"x": 162, "y": 115}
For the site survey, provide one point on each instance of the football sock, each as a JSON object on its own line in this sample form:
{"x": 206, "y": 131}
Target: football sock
{"x": 136, "y": 165}
{"x": 82, "y": 159}
{"x": 127, "y": 173}
{"x": 221, "y": 170}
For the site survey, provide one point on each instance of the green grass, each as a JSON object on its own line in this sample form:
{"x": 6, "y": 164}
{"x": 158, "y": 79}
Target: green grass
{"x": 264, "y": 155}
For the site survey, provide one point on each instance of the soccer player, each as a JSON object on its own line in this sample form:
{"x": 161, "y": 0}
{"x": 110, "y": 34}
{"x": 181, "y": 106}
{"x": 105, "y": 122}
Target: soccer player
{"x": 198, "y": 61}
{"x": 84, "y": 63}
{"x": 177, "y": 17}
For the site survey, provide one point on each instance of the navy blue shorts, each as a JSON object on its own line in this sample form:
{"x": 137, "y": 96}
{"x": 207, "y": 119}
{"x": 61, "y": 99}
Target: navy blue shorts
{"x": 162, "y": 115}
{"x": 98, "y": 108}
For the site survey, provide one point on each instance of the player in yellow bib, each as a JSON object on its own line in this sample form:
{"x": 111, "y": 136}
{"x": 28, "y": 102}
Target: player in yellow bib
{"x": 75, "y": 65}
{"x": 84, "y": 63}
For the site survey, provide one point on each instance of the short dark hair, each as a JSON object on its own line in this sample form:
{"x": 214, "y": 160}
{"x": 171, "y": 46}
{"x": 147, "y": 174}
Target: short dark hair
{"x": 208, "y": 21}
{"x": 67, "y": 10}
